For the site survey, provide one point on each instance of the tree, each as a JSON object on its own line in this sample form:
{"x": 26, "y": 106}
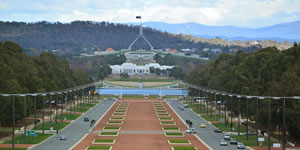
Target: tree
{"x": 124, "y": 75}
{"x": 157, "y": 71}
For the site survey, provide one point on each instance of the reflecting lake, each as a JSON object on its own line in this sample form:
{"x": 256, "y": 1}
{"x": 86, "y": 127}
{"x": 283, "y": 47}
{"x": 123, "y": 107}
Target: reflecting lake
{"x": 142, "y": 91}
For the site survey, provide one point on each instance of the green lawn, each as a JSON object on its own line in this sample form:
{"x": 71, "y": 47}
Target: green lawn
{"x": 251, "y": 140}
{"x": 139, "y": 96}
{"x": 179, "y": 141}
{"x": 86, "y": 105}
{"x": 104, "y": 140}
{"x": 112, "y": 128}
{"x": 114, "y": 122}
{"x": 30, "y": 139}
{"x": 183, "y": 148}
{"x": 167, "y": 122}
{"x": 170, "y": 128}
{"x": 211, "y": 118}
{"x": 59, "y": 125}
{"x": 118, "y": 114}
{"x": 174, "y": 134}
{"x": 109, "y": 133}
{"x": 227, "y": 129}
{"x": 77, "y": 109}
{"x": 99, "y": 147}
{"x": 117, "y": 118}
{"x": 68, "y": 116}
{"x": 142, "y": 80}
{"x": 163, "y": 114}
{"x": 122, "y": 108}
{"x": 196, "y": 109}
{"x": 122, "y": 111}
{"x": 5, "y": 128}
{"x": 167, "y": 118}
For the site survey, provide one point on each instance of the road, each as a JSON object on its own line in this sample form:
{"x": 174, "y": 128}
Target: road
{"x": 76, "y": 130}
{"x": 207, "y": 134}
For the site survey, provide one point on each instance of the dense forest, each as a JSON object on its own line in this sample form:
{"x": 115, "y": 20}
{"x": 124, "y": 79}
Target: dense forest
{"x": 80, "y": 36}
{"x": 97, "y": 66}
{"x": 183, "y": 65}
{"x": 22, "y": 74}
{"x": 268, "y": 72}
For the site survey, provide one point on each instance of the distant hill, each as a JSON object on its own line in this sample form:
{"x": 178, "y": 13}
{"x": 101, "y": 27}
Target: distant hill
{"x": 81, "y": 36}
{"x": 280, "y": 32}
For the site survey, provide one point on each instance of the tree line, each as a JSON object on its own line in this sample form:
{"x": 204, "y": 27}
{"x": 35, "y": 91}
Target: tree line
{"x": 22, "y": 74}
{"x": 267, "y": 72}
{"x": 82, "y": 36}
{"x": 97, "y": 66}
{"x": 182, "y": 65}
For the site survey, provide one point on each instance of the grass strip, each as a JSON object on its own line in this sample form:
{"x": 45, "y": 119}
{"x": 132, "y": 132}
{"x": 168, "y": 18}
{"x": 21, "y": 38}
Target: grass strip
{"x": 111, "y": 128}
{"x": 104, "y": 140}
{"x": 30, "y": 139}
{"x": 168, "y": 118}
{"x": 108, "y": 133}
{"x": 170, "y": 128}
{"x": 58, "y": 125}
{"x": 167, "y": 122}
{"x": 183, "y": 148}
{"x": 173, "y": 134}
{"x": 99, "y": 147}
{"x": 179, "y": 141}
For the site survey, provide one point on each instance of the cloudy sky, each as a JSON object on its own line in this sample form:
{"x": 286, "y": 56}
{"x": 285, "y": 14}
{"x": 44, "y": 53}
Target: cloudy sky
{"x": 245, "y": 13}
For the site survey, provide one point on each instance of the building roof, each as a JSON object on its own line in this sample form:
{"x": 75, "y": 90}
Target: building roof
{"x": 172, "y": 50}
{"x": 109, "y": 50}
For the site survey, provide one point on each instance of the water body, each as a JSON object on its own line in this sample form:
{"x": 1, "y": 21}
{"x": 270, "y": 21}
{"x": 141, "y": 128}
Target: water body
{"x": 141, "y": 91}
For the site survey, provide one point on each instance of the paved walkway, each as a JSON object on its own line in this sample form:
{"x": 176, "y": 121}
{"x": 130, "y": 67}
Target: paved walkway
{"x": 76, "y": 130}
{"x": 141, "y": 129}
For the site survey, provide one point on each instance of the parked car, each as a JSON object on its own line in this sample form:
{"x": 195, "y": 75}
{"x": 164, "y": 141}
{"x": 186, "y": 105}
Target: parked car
{"x": 240, "y": 146}
{"x": 226, "y": 137}
{"x": 86, "y": 119}
{"x": 233, "y": 141}
{"x": 202, "y": 125}
{"x": 62, "y": 137}
{"x": 181, "y": 108}
{"x": 223, "y": 143}
{"x": 252, "y": 133}
{"x": 218, "y": 130}
{"x": 191, "y": 130}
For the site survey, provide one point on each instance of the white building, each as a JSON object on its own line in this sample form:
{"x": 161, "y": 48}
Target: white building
{"x": 133, "y": 69}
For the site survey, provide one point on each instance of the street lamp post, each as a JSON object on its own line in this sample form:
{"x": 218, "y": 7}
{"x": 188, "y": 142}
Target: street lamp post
{"x": 257, "y": 115}
{"x": 44, "y": 113}
{"x": 13, "y": 123}
{"x": 283, "y": 125}
{"x": 239, "y": 113}
{"x": 225, "y": 109}
{"x": 216, "y": 106}
{"x": 13, "y": 117}
{"x": 247, "y": 116}
{"x": 269, "y": 122}
{"x": 23, "y": 95}
{"x": 35, "y": 122}
{"x": 231, "y": 113}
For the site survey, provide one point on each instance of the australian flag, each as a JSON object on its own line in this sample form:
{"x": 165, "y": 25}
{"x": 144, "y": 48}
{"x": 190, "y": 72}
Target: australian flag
{"x": 138, "y": 17}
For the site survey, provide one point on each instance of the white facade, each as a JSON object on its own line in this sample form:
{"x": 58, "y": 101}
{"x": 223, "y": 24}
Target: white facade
{"x": 133, "y": 69}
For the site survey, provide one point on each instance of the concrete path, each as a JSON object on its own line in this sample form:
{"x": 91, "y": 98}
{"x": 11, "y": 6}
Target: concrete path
{"x": 76, "y": 130}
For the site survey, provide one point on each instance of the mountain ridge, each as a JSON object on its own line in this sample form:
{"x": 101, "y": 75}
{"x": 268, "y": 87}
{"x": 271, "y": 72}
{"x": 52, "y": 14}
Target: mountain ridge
{"x": 279, "y": 32}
